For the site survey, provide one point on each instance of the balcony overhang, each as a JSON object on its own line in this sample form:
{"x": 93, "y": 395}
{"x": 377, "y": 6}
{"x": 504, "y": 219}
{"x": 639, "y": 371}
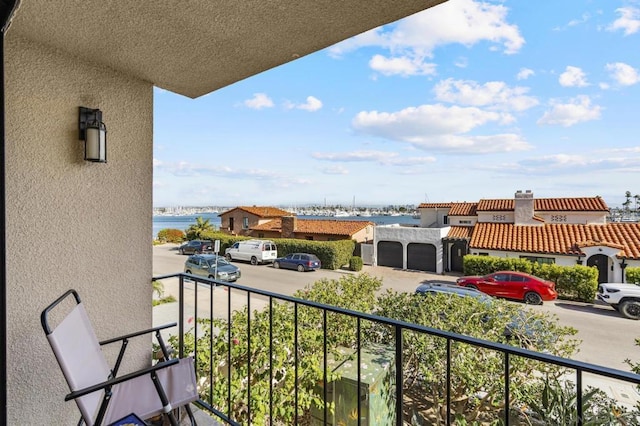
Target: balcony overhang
{"x": 195, "y": 47}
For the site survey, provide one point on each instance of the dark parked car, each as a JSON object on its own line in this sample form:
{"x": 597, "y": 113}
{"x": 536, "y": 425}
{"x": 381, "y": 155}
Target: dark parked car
{"x": 512, "y": 285}
{"x": 445, "y": 287}
{"x": 196, "y": 247}
{"x": 299, "y": 261}
{"x": 520, "y": 327}
{"x": 211, "y": 266}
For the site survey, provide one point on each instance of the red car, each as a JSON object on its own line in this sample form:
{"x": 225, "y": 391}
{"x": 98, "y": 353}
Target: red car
{"x": 513, "y": 285}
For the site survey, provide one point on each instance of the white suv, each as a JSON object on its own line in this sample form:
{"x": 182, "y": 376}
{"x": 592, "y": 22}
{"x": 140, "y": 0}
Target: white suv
{"x": 624, "y": 298}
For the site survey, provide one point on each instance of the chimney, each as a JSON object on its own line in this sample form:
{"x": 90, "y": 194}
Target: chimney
{"x": 288, "y": 226}
{"x": 523, "y": 208}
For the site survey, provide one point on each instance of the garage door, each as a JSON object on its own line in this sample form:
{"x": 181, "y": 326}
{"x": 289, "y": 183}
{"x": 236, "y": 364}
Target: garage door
{"x": 421, "y": 257}
{"x": 390, "y": 254}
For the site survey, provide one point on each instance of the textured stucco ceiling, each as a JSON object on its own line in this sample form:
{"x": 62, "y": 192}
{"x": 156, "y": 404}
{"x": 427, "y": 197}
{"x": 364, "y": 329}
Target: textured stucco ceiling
{"x": 193, "y": 47}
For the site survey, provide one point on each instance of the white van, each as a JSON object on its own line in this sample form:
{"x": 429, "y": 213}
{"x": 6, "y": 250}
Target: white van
{"x": 254, "y": 251}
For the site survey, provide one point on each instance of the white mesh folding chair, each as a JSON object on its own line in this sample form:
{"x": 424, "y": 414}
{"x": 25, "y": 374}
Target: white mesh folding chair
{"x": 102, "y": 396}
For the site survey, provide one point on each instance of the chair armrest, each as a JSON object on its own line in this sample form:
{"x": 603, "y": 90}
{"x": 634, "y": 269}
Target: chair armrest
{"x": 115, "y": 381}
{"x": 137, "y": 333}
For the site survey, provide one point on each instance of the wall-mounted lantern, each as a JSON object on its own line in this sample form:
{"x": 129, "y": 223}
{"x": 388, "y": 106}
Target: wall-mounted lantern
{"x": 94, "y": 134}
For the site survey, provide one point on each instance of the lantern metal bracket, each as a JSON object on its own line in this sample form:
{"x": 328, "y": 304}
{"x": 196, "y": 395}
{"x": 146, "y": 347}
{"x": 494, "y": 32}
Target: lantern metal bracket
{"x": 88, "y": 115}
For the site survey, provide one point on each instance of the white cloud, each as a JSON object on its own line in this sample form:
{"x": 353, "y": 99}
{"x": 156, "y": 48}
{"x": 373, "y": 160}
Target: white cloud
{"x": 259, "y": 101}
{"x": 525, "y": 73}
{"x": 439, "y": 128}
{"x": 403, "y": 66}
{"x": 573, "y": 77}
{"x": 188, "y": 169}
{"x": 578, "y": 110}
{"x": 495, "y": 94}
{"x": 312, "y": 104}
{"x": 157, "y": 163}
{"x": 466, "y": 22}
{"x": 380, "y": 157}
{"x": 629, "y": 20}
{"x": 623, "y": 74}
{"x": 566, "y": 164}
{"x": 461, "y": 62}
{"x": 575, "y": 22}
{"x": 355, "y": 156}
{"x": 335, "y": 170}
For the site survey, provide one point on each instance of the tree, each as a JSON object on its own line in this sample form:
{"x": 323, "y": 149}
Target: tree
{"x": 636, "y": 198}
{"x": 198, "y": 229}
{"x": 627, "y": 202}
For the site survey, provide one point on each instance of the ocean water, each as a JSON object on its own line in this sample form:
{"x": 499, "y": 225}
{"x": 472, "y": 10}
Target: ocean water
{"x": 183, "y": 222}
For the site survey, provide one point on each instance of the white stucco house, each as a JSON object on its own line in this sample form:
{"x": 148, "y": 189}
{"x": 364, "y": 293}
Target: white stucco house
{"x": 565, "y": 231}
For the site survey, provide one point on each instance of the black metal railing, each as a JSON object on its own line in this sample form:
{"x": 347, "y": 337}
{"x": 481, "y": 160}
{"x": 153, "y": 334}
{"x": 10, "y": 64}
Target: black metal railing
{"x": 218, "y": 298}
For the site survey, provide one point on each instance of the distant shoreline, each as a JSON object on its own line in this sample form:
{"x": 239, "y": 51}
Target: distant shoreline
{"x": 182, "y": 222}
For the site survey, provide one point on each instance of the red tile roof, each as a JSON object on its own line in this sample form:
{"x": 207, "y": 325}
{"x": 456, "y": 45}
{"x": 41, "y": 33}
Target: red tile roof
{"x": 434, "y": 205}
{"x": 457, "y": 232}
{"x": 261, "y": 211}
{"x": 557, "y": 238}
{"x": 318, "y": 226}
{"x": 463, "y": 209}
{"x": 581, "y": 204}
{"x": 495, "y": 205}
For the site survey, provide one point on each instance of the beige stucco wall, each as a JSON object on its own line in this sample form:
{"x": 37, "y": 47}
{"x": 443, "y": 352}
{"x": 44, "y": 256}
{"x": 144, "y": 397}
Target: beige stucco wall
{"x": 71, "y": 223}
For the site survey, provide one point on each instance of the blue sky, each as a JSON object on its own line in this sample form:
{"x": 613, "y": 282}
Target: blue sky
{"x": 464, "y": 101}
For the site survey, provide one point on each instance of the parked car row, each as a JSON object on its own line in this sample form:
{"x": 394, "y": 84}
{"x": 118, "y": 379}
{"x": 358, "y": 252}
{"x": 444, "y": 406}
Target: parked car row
{"x": 253, "y": 251}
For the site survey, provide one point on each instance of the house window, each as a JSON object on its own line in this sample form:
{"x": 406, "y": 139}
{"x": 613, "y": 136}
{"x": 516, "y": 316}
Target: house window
{"x": 466, "y": 222}
{"x": 260, "y": 234}
{"x": 445, "y": 220}
{"x": 309, "y": 237}
{"x": 483, "y": 254}
{"x": 245, "y": 222}
{"x": 539, "y": 260}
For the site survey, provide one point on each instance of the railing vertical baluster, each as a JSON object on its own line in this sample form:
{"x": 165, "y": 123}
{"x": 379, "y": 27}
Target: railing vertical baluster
{"x": 270, "y": 360}
{"x": 195, "y": 323}
{"x": 507, "y": 390}
{"x": 359, "y": 378}
{"x": 181, "y": 317}
{"x": 230, "y": 372}
{"x": 211, "y": 288}
{"x": 295, "y": 358}
{"x": 399, "y": 374}
{"x": 448, "y": 381}
{"x": 324, "y": 370}
{"x": 579, "y": 396}
{"x": 248, "y": 357}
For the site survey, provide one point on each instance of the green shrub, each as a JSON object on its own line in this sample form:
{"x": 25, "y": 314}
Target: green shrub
{"x": 223, "y": 348}
{"x": 632, "y": 275}
{"x": 355, "y": 263}
{"x": 170, "y": 235}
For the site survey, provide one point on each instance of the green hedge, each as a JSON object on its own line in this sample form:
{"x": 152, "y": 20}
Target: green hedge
{"x": 332, "y": 254}
{"x": 572, "y": 282}
{"x": 632, "y": 275}
{"x": 355, "y": 263}
{"x": 170, "y": 235}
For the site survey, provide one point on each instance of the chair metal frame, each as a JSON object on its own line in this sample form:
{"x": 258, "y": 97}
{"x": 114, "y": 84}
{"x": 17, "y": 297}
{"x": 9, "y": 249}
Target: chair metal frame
{"x": 113, "y": 378}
